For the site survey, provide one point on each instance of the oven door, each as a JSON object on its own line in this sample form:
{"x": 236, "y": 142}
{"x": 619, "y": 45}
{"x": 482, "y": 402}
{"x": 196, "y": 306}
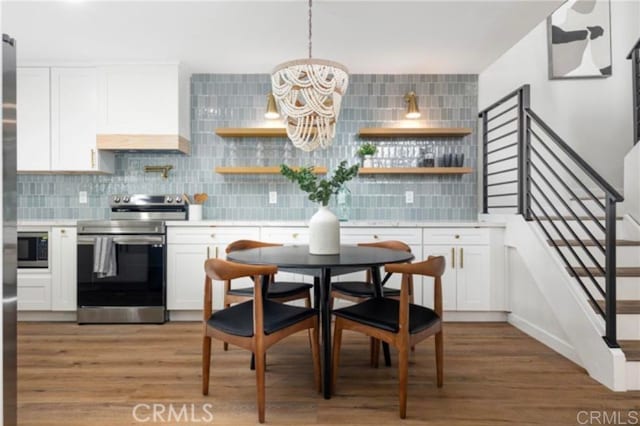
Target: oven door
{"x": 140, "y": 278}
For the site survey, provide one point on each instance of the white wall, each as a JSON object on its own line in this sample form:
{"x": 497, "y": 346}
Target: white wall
{"x": 594, "y": 116}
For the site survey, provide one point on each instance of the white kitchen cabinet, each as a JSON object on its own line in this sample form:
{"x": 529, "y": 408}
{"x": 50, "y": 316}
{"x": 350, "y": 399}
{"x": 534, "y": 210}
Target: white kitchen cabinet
{"x": 63, "y": 264}
{"x": 33, "y": 128}
{"x": 143, "y": 107}
{"x": 73, "y": 123}
{"x": 34, "y": 290}
{"x": 467, "y": 284}
{"x": 187, "y": 250}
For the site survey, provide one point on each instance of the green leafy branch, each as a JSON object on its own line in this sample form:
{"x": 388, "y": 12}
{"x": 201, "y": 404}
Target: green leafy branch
{"x": 319, "y": 190}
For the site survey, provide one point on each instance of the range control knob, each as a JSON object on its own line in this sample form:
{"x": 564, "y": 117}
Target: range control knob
{"x": 178, "y": 199}
{"x": 116, "y": 199}
{"x": 169, "y": 200}
{"x": 125, "y": 199}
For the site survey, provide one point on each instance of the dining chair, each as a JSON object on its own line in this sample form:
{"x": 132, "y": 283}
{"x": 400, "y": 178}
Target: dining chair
{"x": 254, "y": 325}
{"x": 399, "y": 323}
{"x": 359, "y": 291}
{"x": 281, "y": 291}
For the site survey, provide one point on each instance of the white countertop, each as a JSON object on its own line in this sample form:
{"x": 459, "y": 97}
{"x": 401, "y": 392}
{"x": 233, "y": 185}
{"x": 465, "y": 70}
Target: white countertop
{"x": 46, "y": 222}
{"x": 286, "y": 223}
{"x": 347, "y": 224}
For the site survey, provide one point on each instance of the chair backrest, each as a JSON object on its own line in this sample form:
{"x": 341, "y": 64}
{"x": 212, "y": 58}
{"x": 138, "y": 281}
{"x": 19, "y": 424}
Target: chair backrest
{"x": 391, "y": 244}
{"x": 434, "y": 267}
{"x": 223, "y": 270}
{"x": 248, "y": 244}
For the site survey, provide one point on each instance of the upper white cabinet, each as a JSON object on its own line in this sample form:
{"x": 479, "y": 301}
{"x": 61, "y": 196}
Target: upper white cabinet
{"x": 143, "y": 107}
{"x": 33, "y": 128}
{"x": 74, "y": 104}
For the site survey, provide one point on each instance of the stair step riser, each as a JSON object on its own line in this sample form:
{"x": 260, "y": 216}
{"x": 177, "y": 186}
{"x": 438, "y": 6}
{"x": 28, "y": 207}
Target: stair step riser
{"x": 580, "y": 232}
{"x": 626, "y": 288}
{"x": 625, "y": 255}
{"x": 628, "y": 327}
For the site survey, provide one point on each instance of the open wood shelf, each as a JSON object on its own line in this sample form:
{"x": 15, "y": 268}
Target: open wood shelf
{"x": 256, "y": 170}
{"x": 251, "y": 132}
{"x": 389, "y": 132}
{"x": 415, "y": 170}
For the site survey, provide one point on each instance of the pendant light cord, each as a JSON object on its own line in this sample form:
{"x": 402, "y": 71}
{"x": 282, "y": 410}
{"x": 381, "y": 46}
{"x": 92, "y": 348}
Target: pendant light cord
{"x": 310, "y": 4}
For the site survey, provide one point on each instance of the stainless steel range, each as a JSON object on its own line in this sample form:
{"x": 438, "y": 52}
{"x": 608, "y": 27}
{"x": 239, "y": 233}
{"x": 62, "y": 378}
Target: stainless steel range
{"x": 133, "y": 245}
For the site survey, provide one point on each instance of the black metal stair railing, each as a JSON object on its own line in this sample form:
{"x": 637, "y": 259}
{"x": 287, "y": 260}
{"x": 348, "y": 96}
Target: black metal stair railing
{"x": 529, "y": 170}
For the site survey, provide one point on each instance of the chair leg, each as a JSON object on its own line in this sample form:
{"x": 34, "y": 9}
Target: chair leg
{"x": 206, "y": 363}
{"x": 225, "y": 345}
{"x": 403, "y": 374}
{"x": 260, "y": 358}
{"x": 307, "y": 304}
{"x": 315, "y": 353}
{"x": 374, "y": 345}
{"x": 337, "y": 341}
{"x": 440, "y": 359}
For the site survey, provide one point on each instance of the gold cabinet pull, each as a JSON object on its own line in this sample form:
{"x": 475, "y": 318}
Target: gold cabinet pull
{"x": 208, "y": 254}
{"x": 461, "y": 257}
{"x": 216, "y": 252}
{"x": 453, "y": 257}
{"x": 93, "y": 158}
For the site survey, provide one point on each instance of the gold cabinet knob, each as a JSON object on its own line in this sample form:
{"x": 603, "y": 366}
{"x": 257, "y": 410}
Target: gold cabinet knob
{"x": 457, "y": 236}
{"x": 63, "y": 231}
{"x": 213, "y": 235}
{"x": 375, "y": 237}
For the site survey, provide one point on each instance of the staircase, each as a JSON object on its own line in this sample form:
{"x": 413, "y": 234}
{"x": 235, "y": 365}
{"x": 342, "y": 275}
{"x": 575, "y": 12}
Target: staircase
{"x": 530, "y": 171}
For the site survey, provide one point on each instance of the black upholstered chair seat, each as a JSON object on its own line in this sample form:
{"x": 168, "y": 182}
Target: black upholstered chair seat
{"x": 279, "y": 289}
{"x": 362, "y": 289}
{"x": 238, "y": 319}
{"x": 383, "y": 313}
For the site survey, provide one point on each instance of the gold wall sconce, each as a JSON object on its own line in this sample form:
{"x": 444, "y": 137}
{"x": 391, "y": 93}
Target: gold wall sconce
{"x": 159, "y": 169}
{"x": 272, "y": 109}
{"x": 412, "y": 105}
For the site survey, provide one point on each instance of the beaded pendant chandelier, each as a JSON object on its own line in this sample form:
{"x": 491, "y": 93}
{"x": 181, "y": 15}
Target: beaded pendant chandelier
{"x": 309, "y": 93}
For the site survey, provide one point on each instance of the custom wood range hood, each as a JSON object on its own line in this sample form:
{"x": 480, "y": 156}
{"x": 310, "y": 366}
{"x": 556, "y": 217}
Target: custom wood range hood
{"x": 123, "y": 142}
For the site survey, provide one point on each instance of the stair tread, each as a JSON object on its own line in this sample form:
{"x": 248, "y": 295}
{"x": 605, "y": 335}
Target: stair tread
{"x": 590, "y": 243}
{"x": 623, "y": 271}
{"x": 624, "y": 307}
{"x": 631, "y": 349}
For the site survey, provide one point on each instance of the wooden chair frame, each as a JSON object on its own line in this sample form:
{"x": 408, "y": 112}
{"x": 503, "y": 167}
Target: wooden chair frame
{"x": 259, "y": 343}
{"x": 402, "y": 340}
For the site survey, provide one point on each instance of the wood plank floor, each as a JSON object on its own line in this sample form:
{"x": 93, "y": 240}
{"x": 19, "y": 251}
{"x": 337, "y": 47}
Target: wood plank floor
{"x": 494, "y": 374}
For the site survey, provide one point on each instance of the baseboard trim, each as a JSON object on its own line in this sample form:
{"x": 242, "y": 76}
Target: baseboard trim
{"x": 543, "y": 336}
{"x": 47, "y": 316}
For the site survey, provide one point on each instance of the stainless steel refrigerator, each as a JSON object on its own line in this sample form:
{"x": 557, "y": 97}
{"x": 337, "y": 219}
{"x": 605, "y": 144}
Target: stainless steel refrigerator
{"x": 9, "y": 231}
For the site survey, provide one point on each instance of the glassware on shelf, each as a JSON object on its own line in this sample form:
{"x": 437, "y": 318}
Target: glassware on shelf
{"x": 429, "y": 159}
{"x": 343, "y": 198}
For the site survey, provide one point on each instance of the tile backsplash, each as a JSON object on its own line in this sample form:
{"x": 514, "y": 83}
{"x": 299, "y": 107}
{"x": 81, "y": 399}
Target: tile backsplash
{"x": 239, "y": 100}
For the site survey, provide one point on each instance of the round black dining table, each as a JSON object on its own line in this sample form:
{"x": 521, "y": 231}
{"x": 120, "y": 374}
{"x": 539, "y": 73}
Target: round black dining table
{"x": 297, "y": 259}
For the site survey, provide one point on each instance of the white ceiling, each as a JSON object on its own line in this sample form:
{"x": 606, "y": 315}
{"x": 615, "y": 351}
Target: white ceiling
{"x": 239, "y": 36}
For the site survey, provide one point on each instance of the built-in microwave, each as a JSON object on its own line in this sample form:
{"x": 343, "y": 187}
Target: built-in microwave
{"x": 33, "y": 250}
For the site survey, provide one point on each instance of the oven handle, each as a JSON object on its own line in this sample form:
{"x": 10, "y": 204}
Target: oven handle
{"x": 129, "y": 240}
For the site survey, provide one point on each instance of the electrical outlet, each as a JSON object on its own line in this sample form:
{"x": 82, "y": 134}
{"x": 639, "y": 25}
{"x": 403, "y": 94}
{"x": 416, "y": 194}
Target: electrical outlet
{"x": 273, "y": 197}
{"x": 408, "y": 197}
{"x": 82, "y": 197}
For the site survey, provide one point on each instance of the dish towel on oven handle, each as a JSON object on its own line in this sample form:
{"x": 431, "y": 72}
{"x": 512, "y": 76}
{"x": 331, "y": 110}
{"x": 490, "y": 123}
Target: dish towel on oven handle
{"x": 104, "y": 257}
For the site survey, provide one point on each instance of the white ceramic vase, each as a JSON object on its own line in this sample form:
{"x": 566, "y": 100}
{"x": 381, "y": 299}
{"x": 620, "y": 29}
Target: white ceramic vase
{"x": 367, "y": 161}
{"x": 324, "y": 232}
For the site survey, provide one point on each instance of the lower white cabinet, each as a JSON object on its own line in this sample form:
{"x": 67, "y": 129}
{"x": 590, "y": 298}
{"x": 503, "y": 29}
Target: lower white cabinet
{"x": 466, "y": 283}
{"x": 34, "y": 290}
{"x": 63, "y": 264}
{"x": 187, "y": 250}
